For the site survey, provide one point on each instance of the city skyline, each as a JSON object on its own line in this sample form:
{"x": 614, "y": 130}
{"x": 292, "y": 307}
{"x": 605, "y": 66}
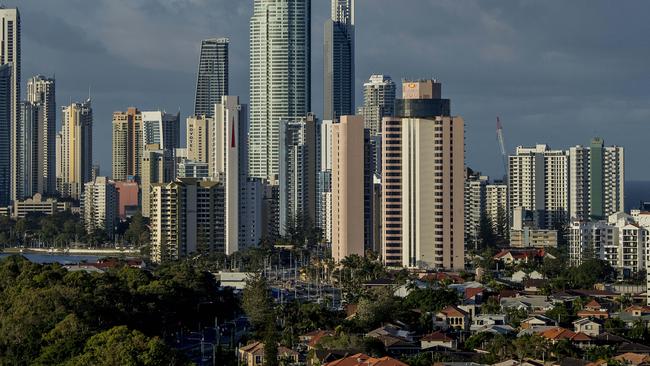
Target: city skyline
{"x": 501, "y": 63}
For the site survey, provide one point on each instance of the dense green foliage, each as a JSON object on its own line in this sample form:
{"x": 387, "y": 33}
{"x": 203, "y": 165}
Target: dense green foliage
{"x": 52, "y": 316}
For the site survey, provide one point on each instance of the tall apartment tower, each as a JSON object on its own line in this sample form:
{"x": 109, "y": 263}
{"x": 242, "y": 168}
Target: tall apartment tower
{"x": 28, "y": 157}
{"x": 157, "y": 167}
{"x": 161, "y": 128}
{"x": 423, "y": 156}
{"x": 378, "y": 102}
{"x": 339, "y": 61}
{"x": 280, "y": 76}
{"x": 475, "y": 205}
{"x": 10, "y": 55}
{"x": 228, "y": 165}
{"x": 496, "y": 206}
{"x": 41, "y": 92}
{"x": 76, "y": 149}
{"x": 5, "y": 136}
{"x": 200, "y": 145}
{"x": 539, "y": 183}
{"x": 212, "y": 76}
{"x": 187, "y": 216}
{"x": 100, "y": 206}
{"x": 596, "y": 180}
{"x": 127, "y": 144}
{"x": 348, "y": 187}
{"x": 324, "y": 194}
{"x": 298, "y": 161}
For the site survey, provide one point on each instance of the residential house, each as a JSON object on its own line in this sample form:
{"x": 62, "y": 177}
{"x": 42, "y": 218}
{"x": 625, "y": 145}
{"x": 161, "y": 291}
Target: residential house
{"x": 635, "y": 313}
{"x": 530, "y": 303}
{"x": 253, "y": 354}
{"x": 521, "y": 276}
{"x": 482, "y": 320}
{"x": 593, "y": 309}
{"x": 312, "y": 339}
{"x": 536, "y": 321}
{"x": 590, "y": 327}
{"x": 438, "y": 339}
{"x": 454, "y": 317}
{"x": 557, "y": 334}
{"x": 518, "y": 256}
{"x": 534, "y": 286}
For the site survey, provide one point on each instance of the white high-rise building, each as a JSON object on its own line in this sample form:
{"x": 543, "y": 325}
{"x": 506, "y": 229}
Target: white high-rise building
{"x": 622, "y": 240}
{"x": 324, "y": 195}
{"x": 10, "y": 54}
{"x": 539, "y": 183}
{"x": 280, "y": 76}
{"x": 100, "y": 206}
{"x": 596, "y": 180}
{"x": 378, "y": 101}
{"x": 475, "y": 197}
{"x": 161, "y": 128}
{"x": 41, "y": 92}
{"x": 496, "y": 205}
{"x": 298, "y": 160}
{"x": 228, "y": 163}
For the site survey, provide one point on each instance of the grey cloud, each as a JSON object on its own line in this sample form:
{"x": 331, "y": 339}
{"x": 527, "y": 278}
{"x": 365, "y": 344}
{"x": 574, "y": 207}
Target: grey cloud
{"x": 557, "y": 72}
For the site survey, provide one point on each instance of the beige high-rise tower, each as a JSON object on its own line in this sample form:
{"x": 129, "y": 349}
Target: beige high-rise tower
{"x": 423, "y": 156}
{"x": 347, "y": 187}
{"x": 127, "y": 143}
{"x": 76, "y": 150}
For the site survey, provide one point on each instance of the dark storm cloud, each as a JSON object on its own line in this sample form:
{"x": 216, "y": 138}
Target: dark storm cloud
{"x": 557, "y": 72}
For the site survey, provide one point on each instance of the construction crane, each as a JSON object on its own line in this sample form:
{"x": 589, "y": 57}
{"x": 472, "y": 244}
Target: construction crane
{"x": 502, "y": 145}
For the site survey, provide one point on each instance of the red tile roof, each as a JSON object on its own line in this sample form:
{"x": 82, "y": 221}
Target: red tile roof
{"x": 471, "y": 292}
{"x": 559, "y": 333}
{"x": 437, "y": 336}
{"x": 361, "y": 359}
{"x": 452, "y": 311}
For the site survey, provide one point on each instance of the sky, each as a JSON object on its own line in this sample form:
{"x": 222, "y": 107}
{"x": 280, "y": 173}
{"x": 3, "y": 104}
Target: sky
{"x": 557, "y": 72}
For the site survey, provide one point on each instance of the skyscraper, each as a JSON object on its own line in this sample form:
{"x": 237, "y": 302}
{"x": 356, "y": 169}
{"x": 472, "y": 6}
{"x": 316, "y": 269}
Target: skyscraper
{"x": 378, "y": 102}
{"x": 157, "y": 167}
{"x": 324, "y": 196}
{"x": 228, "y": 162}
{"x": 10, "y": 54}
{"x": 339, "y": 61}
{"x": 161, "y": 128}
{"x": 100, "y": 206}
{"x": 76, "y": 149}
{"x": 41, "y": 92}
{"x": 596, "y": 180}
{"x": 127, "y": 143}
{"x": 28, "y": 156}
{"x": 298, "y": 173}
{"x": 200, "y": 139}
{"x": 212, "y": 76}
{"x": 539, "y": 183}
{"x": 347, "y": 187}
{"x": 423, "y": 158}
{"x": 5, "y": 135}
{"x": 186, "y": 217}
{"x": 280, "y": 76}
